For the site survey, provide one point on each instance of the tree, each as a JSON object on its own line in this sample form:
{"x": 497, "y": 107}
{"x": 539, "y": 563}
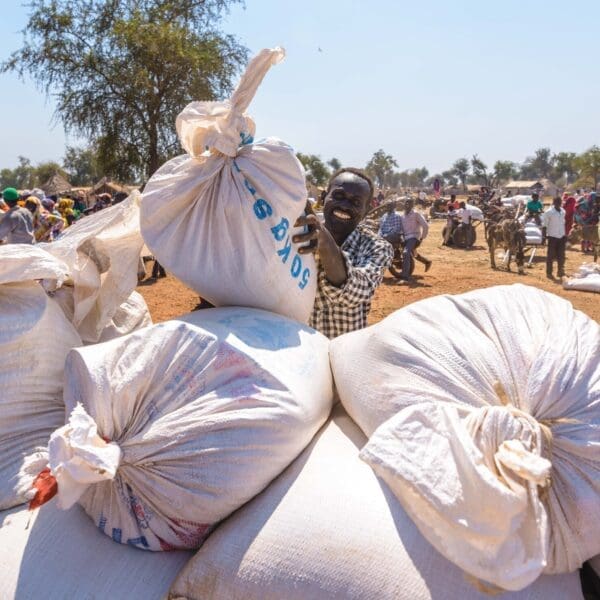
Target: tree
{"x": 480, "y": 171}
{"x": 81, "y": 165}
{"x": 121, "y": 70}
{"x": 504, "y": 171}
{"x": 461, "y": 169}
{"x": 335, "y": 164}
{"x": 588, "y": 165}
{"x": 449, "y": 177}
{"x": 565, "y": 167}
{"x": 43, "y": 172}
{"x": 380, "y": 167}
{"x": 539, "y": 166}
{"x": 316, "y": 171}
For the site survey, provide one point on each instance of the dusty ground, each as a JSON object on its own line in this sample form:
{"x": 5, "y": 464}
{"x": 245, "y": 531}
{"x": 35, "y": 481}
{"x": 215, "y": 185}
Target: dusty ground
{"x": 454, "y": 271}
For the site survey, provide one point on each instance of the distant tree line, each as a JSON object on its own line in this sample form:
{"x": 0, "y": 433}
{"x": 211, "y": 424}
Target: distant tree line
{"x": 563, "y": 168}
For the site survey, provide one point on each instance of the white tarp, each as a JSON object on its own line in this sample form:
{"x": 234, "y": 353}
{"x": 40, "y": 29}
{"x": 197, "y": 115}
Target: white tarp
{"x": 221, "y": 217}
{"x": 329, "y": 528}
{"x": 483, "y": 412}
{"x": 175, "y": 426}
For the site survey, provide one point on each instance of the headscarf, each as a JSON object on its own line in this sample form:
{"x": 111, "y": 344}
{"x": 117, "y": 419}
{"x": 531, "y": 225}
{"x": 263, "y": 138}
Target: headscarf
{"x": 46, "y": 226}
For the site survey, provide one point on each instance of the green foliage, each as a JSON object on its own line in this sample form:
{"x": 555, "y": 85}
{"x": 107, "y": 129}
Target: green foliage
{"x": 461, "y": 168}
{"x": 380, "y": 167}
{"x": 538, "y": 166}
{"x": 480, "y": 171}
{"x": 335, "y": 164}
{"x": 26, "y": 176}
{"x": 121, "y": 70}
{"x": 317, "y": 172}
{"x": 81, "y": 165}
{"x": 588, "y": 165}
{"x": 565, "y": 167}
{"x": 504, "y": 171}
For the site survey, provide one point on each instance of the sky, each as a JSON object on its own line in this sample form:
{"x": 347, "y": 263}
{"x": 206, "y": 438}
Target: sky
{"x": 428, "y": 81}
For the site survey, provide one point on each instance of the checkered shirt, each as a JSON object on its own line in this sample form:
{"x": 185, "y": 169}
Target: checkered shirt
{"x": 339, "y": 310}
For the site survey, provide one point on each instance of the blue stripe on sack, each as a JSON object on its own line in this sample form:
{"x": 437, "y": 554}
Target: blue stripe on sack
{"x": 138, "y": 541}
{"x": 116, "y": 535}
{"x": 102, "y": 523}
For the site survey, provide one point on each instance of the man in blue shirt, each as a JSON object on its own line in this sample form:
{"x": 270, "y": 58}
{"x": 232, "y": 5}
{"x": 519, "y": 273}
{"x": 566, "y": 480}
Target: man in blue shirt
{"x": 390, "y": 227}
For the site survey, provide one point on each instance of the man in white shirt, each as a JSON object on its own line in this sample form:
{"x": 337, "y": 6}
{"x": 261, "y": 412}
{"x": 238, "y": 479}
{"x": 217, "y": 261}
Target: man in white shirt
{"x": 553, "y": 228}
{"x": 465, "y": 214}
{"x": 415, "y": 229}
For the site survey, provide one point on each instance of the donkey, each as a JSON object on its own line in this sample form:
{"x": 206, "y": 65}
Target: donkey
{"x": 586, "y": 233}
{"x": 508, "y": 234}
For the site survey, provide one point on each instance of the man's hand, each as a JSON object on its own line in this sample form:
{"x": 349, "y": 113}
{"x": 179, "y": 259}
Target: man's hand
{"x": 319, "y": 238}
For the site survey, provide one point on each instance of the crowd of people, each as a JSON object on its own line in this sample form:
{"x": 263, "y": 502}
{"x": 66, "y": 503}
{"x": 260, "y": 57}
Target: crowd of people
{"x": 30, "y": 217}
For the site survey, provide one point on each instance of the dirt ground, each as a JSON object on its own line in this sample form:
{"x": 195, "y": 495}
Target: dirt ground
{"x": 454, "y": 271}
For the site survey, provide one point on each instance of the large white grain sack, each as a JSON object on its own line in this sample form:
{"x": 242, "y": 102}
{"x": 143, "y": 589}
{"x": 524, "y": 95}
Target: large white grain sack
{"x": 221, "y": 216}
{"x": 102, "y": 253}
{"x": 329, "y": 528}
{"x": 483, "y": 412}
{"x": 55, "y": 555}
{"x": 586, "y": 279}
{"x": 132, "y": 315}
{"x": 35, "y": 338}
{"x": 175, "y": 426}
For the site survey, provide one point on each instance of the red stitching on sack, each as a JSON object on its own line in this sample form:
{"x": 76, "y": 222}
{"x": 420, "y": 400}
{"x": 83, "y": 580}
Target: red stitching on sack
{"x": 46, "y": 486}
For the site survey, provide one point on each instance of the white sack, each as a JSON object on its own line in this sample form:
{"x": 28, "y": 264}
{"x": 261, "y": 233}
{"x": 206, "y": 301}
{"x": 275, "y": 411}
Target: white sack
{"x": 586, "y": 279}
{"x": 35, "y": 338}
{"x": 476, "y": 212}
{"x": 132, "y": 315}
{"x": 183, "y": 422}
{"x": 483, "y": 412}
{"x": 57, "y": 555}
{"x": 102, "y": 253}
{"x": 329, "y": 528}
{"x": 221, "y": 216}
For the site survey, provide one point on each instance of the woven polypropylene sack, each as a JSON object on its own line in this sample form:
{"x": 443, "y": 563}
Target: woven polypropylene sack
{"x": 102, "y": 253}
{"x": 132, "y": 315}
{"x": 35, "y": 338}
{"x": 329, "y": 528}
{"x": 585, "y": 279}
{"x": 483, "y": 412}
{"x": 52, "y": 554}
{"x": 221, "y": 217}
{"x": 176, "y": 425}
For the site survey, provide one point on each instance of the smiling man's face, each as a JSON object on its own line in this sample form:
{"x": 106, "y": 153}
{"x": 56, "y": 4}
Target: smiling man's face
{"x": 346, "y": 204}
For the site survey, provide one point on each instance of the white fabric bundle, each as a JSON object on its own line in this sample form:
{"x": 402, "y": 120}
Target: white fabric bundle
{"x": 132, "y": 315}
{"x": 175, "y": 426}
{"x": 102, "y": 254}
{"x": 586, "y": 279}
{"x": 221, "y": 217}
{"x": 476, "y": 212}
{"x": 35, "y": 337}
{"x": 329, "y": 528}
{"x": 533, "y": 233}
{"x": 483, "y": 412}
{"x": 53, "y": 554}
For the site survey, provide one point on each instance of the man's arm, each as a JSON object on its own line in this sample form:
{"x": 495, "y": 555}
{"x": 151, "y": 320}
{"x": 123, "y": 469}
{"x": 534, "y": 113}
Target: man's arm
{"x": 424, "y": 225}
{"x": 363, "y": 277}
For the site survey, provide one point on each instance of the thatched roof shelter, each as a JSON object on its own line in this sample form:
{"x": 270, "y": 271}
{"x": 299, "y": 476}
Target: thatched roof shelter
{"x": 56, "y": 185}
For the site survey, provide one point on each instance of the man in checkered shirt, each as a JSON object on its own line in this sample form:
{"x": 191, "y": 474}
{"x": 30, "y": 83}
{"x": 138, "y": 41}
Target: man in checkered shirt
{"x": 352, "y": 259}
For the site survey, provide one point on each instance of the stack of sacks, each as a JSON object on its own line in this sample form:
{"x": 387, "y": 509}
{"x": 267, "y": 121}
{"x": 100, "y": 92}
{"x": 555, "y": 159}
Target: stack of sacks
{"x": 586, "y": 279}
{"x": 175, "y": 426}
{"x": 102, "y": 253}
{"x": 329, "y": 528}
{"x": 533, "y": 233}
{"x": 221, "y": 217}
{"x": 35, "y": 337}
{"x": 483, "y": 416}
{"x": 53, "y": 554}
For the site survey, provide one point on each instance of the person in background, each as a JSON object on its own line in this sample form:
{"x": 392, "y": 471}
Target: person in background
{"x": 415, "y": 229}
{"x": 65, "y": 208}
{"x": 586, "y": 216}
{"x": 452, "y": 204}
{"x": 79, "y": 205}
{"x": 390, "y": 227}
{"x": 380, "y": 198}
{"x": 3, "y": 206}
{"x": 351, "y": 258}
{"x": 16, "y": 226}
{"x": 569, "y": 206}
{"x": 535, "y": 208}
{"x": 553, "y": 228}
{"x": 46, "y": 226}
